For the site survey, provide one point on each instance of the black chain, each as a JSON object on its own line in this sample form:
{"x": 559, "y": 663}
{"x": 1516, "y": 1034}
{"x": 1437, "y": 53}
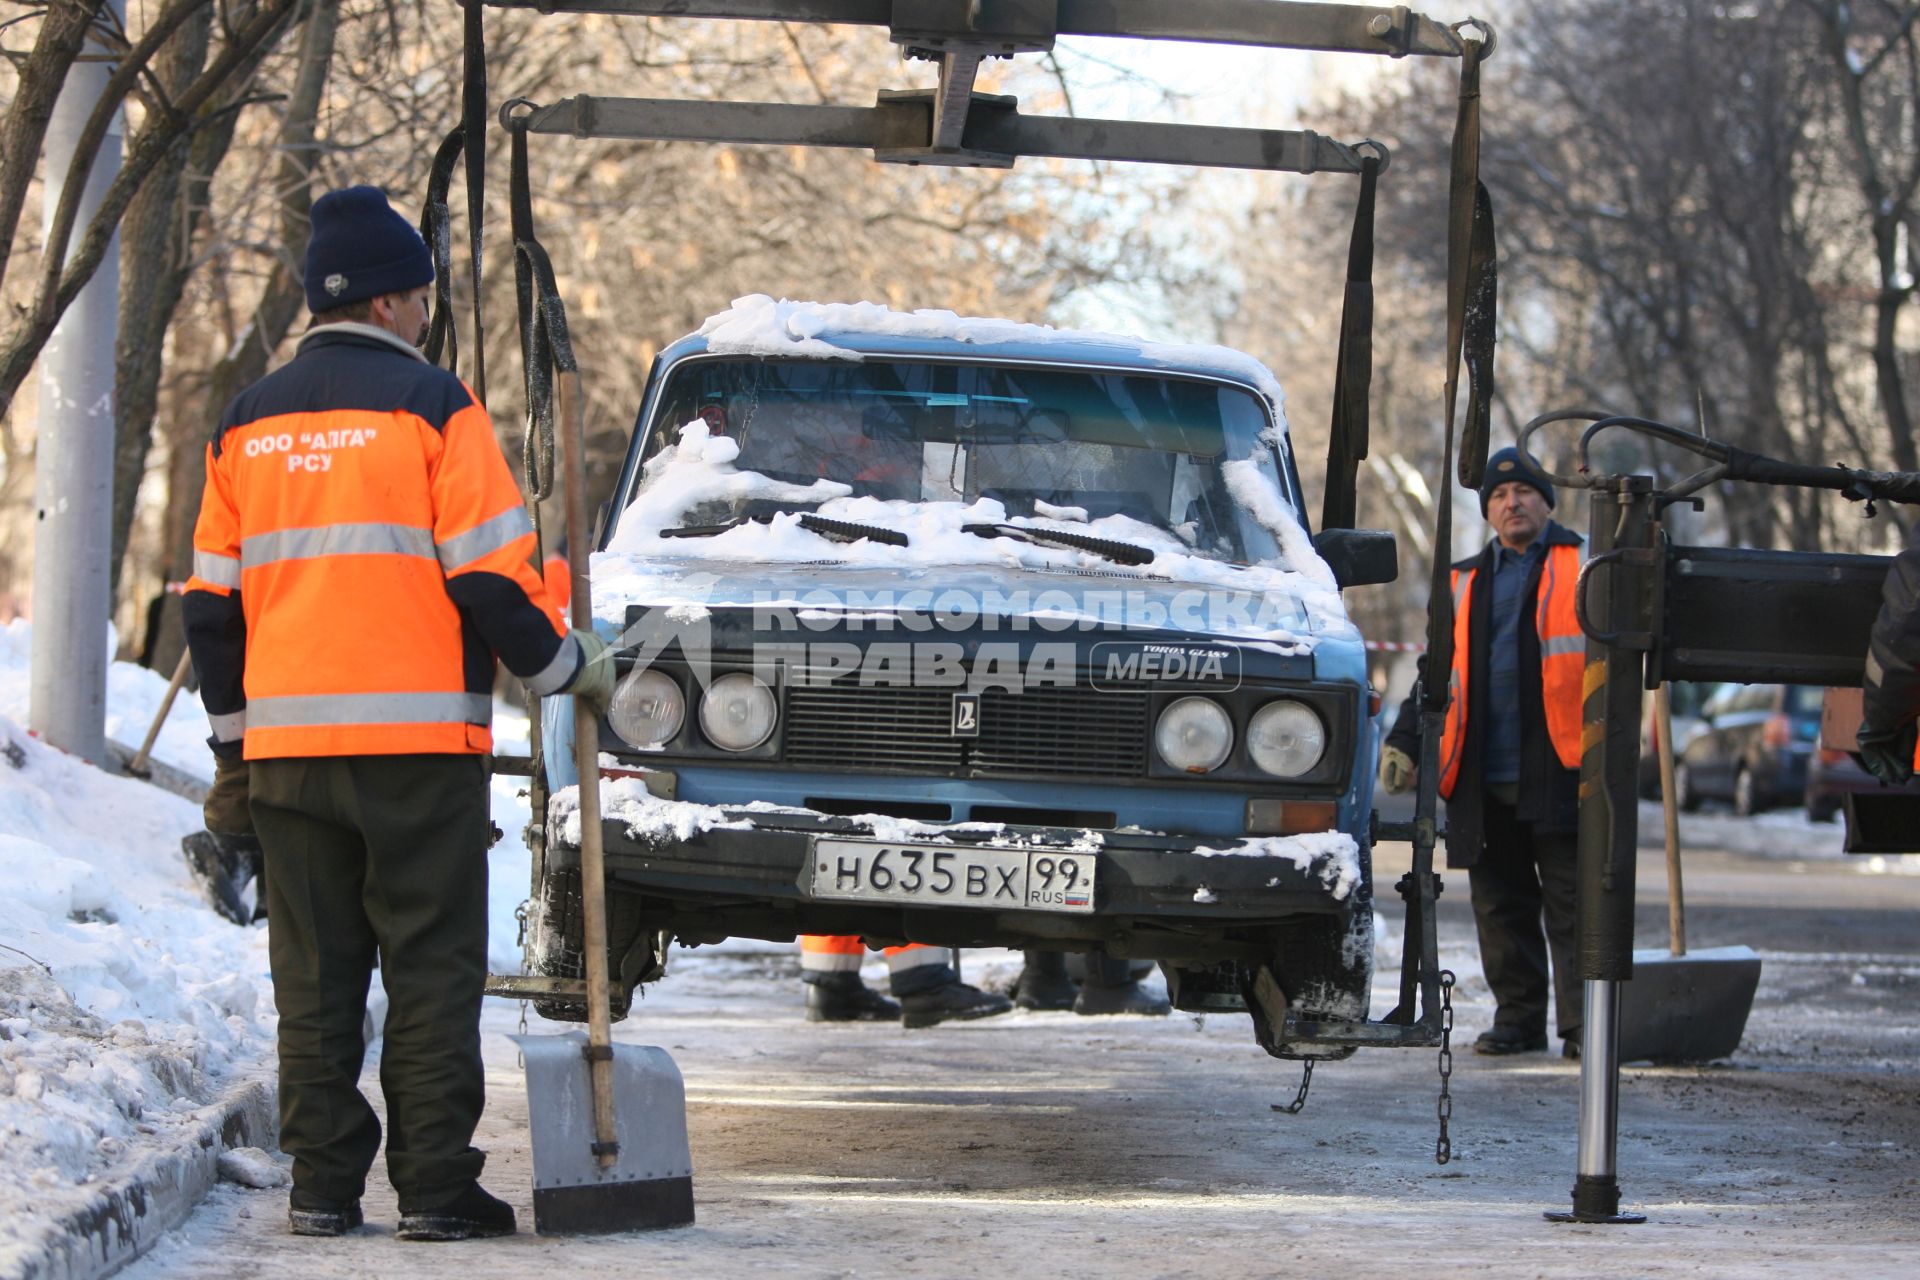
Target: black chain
{"x": 1300, "y": 1100}
{"x": 1443, "y": 1149}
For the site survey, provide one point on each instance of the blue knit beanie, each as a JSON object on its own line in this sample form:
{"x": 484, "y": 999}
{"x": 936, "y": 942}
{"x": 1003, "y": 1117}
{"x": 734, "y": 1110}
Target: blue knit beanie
{"x": 1510, "y": 465}
{"x": 361, "y": 248}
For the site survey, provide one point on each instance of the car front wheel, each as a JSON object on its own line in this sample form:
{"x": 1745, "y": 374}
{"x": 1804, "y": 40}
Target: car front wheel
{"x": 1746, "y": 794}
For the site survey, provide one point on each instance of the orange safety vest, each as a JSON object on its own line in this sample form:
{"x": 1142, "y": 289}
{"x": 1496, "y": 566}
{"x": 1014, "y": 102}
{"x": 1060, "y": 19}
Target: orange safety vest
{"x": 359, "y": 504}
{"x": 1562, "y": 660}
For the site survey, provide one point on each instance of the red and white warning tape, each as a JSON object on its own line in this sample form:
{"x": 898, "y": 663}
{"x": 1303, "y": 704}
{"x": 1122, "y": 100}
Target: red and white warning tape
{"x": 1396, "y": 646}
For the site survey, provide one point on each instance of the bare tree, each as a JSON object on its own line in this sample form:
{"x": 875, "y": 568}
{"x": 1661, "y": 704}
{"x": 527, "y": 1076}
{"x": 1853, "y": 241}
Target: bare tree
{"x": 250, "y": 26}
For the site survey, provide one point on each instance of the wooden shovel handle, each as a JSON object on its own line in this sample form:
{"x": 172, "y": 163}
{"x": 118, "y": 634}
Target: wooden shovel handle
{"x": 138, "y": 765}
{"x": 586, "y": 757}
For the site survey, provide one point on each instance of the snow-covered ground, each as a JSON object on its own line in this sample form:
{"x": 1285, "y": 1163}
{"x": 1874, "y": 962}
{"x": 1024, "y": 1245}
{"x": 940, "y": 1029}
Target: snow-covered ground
{"x": 126, "y": 1005}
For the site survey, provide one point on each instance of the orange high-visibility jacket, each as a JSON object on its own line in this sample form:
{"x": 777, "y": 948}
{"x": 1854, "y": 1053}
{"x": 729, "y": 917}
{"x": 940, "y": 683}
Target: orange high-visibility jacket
{"x": 1562, "y": 659}
{"x": 360, "y": 558}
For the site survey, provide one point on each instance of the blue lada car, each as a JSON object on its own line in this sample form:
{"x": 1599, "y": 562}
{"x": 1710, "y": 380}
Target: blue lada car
{"x": 976, "y": 633}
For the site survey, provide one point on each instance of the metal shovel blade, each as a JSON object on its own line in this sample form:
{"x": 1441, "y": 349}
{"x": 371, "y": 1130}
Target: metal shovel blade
{"x": 1690, "y": 1008}
{"x": 649, "y": 1186}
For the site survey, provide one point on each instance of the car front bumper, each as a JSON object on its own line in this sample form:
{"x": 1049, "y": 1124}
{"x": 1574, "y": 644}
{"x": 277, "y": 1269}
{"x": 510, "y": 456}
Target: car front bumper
{"x": 748, "y": 873}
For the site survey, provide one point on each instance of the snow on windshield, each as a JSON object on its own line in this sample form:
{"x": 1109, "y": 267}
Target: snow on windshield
{"x": 644, "y": 565}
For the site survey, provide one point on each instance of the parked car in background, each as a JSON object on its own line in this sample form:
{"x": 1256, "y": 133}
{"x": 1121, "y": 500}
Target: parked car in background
{"x": 1753, "y": 747}
{"x": 1687, "y": 698}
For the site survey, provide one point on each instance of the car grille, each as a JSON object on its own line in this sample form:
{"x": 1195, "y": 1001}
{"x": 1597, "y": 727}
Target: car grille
{"x": 1072, "y": 732}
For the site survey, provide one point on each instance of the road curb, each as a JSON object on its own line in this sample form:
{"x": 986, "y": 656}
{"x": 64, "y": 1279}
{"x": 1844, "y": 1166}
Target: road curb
{"x": 121, "y": 1220}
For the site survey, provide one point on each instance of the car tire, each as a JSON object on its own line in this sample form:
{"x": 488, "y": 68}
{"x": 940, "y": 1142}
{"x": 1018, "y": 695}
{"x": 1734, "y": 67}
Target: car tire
{"x": 1685, "y": 798}
{"x": 556, "y": 946}
{"x": 1822, "y": 809}
{"x": 1747, "y": 800}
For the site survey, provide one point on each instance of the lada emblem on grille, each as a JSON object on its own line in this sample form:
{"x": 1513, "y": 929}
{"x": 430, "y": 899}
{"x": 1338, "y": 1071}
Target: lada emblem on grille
{"x": 966, "y": 715}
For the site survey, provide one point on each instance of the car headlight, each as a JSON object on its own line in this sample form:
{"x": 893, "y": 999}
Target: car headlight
{"x": 647, "y": 709}
{"x": 738, "y": 712}
{"x": 1286, "y": 738}
{"x": 1194, "y": 734}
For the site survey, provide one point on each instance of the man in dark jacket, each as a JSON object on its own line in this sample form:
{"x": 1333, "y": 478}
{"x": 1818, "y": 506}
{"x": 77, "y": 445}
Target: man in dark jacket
{"x": 1888, "y": 726}
{"x": 1510, "y": 754}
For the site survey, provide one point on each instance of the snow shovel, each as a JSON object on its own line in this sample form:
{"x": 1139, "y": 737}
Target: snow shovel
{"x": 609, "y": 1124}
{"x": 139, "y": 763}
{"x": 1683, "y": 1007}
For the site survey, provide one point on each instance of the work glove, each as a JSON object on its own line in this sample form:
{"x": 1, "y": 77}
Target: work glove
{"x": 1398, "y": 772}
{"x": 594, "y": 680}
{"x": 1887, "y": 754}
{"x": 225, "y": 808}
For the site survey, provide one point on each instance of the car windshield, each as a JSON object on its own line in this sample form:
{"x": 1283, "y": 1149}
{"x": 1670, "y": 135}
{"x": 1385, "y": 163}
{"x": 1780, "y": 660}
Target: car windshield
{"x": 1051, "y": 444}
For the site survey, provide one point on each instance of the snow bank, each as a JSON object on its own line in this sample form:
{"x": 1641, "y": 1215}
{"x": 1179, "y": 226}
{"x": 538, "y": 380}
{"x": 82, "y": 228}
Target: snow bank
{"x": 126, "y": 1005}
{"x": 134, "y": 693}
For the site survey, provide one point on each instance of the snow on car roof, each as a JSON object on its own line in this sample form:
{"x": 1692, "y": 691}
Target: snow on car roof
{"x": 757, "y": 325}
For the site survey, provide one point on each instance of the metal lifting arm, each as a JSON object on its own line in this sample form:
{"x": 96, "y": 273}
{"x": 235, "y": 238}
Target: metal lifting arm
{"x": 953, "y": 125}
{"x": 996, "y": 28}
{"x": 902, "y": 128}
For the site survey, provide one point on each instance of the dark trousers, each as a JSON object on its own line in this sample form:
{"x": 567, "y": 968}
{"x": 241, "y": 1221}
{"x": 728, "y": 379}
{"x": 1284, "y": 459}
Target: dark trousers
{"x": 377, "y": 857}
{"x": 1523, "y": 875}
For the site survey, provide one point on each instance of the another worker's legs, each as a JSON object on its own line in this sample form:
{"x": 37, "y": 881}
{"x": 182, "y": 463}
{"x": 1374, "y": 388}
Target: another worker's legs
{"x": 1507, "y": 907}
{"x": 1111, "y": 987}
{"x": 1555, "y": 856}
{"x": 1044, "y": 983}
{"x": 830, "y": 968}
{"x": 930, "y": 990}
{"x": 321, "y": 947}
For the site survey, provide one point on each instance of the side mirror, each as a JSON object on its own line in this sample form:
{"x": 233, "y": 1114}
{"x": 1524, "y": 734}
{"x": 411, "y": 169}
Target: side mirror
{"x": 1359, "y": 557}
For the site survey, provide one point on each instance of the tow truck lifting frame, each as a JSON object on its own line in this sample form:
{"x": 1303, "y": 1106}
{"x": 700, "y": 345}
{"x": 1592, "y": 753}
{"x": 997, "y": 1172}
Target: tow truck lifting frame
{"x": 1651, "y": 610}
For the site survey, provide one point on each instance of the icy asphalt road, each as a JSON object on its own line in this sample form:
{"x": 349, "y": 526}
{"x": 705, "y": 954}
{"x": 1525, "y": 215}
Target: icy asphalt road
{"x": 1050, "y": 1145}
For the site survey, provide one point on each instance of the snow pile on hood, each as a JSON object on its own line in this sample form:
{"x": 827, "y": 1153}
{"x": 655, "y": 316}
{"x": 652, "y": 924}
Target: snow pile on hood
{"x": 1332, "y": 855}
{"x": 124, "y": 1000}
{"x": 756, "y": 325}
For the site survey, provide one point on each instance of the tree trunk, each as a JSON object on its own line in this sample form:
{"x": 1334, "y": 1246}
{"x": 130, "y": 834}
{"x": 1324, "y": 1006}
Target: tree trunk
{"x": 62, "y": 32}
{"x": 155, "y": 246}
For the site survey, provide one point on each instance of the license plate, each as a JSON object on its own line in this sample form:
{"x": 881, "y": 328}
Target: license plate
{"x": 953, "y": 876}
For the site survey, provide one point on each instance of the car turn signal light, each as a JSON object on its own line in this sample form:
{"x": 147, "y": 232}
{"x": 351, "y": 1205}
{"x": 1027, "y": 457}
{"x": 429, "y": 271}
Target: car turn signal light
{"x": 1290, "y": 817}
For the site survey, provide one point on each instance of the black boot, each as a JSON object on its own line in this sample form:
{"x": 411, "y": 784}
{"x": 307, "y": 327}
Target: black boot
{"x": 312, "y": 1215}
{"x": 953, "y": 1001}
{"x": 1498, "y": 1041}
{"x": 1043, "y": 983}
{"x": 222, "y": 865}
{"x": 1111, "y": 988}
{"x": 842, "y": 997}
{"x": 471, "y": 1215}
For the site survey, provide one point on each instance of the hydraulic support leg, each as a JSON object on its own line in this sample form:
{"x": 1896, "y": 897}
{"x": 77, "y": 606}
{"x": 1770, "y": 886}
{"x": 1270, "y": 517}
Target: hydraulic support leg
{"x": 1613, "y": 596}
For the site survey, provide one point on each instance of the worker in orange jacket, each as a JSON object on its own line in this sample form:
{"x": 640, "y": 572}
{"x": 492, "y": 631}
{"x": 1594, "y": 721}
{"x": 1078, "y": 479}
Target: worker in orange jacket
{"x": 360, "y": 559}
{"x": 923, "y": 977}
{"x": 1510, "y": 754}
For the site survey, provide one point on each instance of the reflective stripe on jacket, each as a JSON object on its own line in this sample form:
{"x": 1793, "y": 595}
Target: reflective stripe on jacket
{"x": 1562, "y": 660}
{"x": 360, "y": 558}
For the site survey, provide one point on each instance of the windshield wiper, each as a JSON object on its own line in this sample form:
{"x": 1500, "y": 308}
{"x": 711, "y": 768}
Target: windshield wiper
{"x": 825, "y": 526}
{"x": 1119, "y": 552}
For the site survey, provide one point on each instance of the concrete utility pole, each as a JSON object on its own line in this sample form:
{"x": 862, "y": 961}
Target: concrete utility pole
{"x": 73, "y": 480}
